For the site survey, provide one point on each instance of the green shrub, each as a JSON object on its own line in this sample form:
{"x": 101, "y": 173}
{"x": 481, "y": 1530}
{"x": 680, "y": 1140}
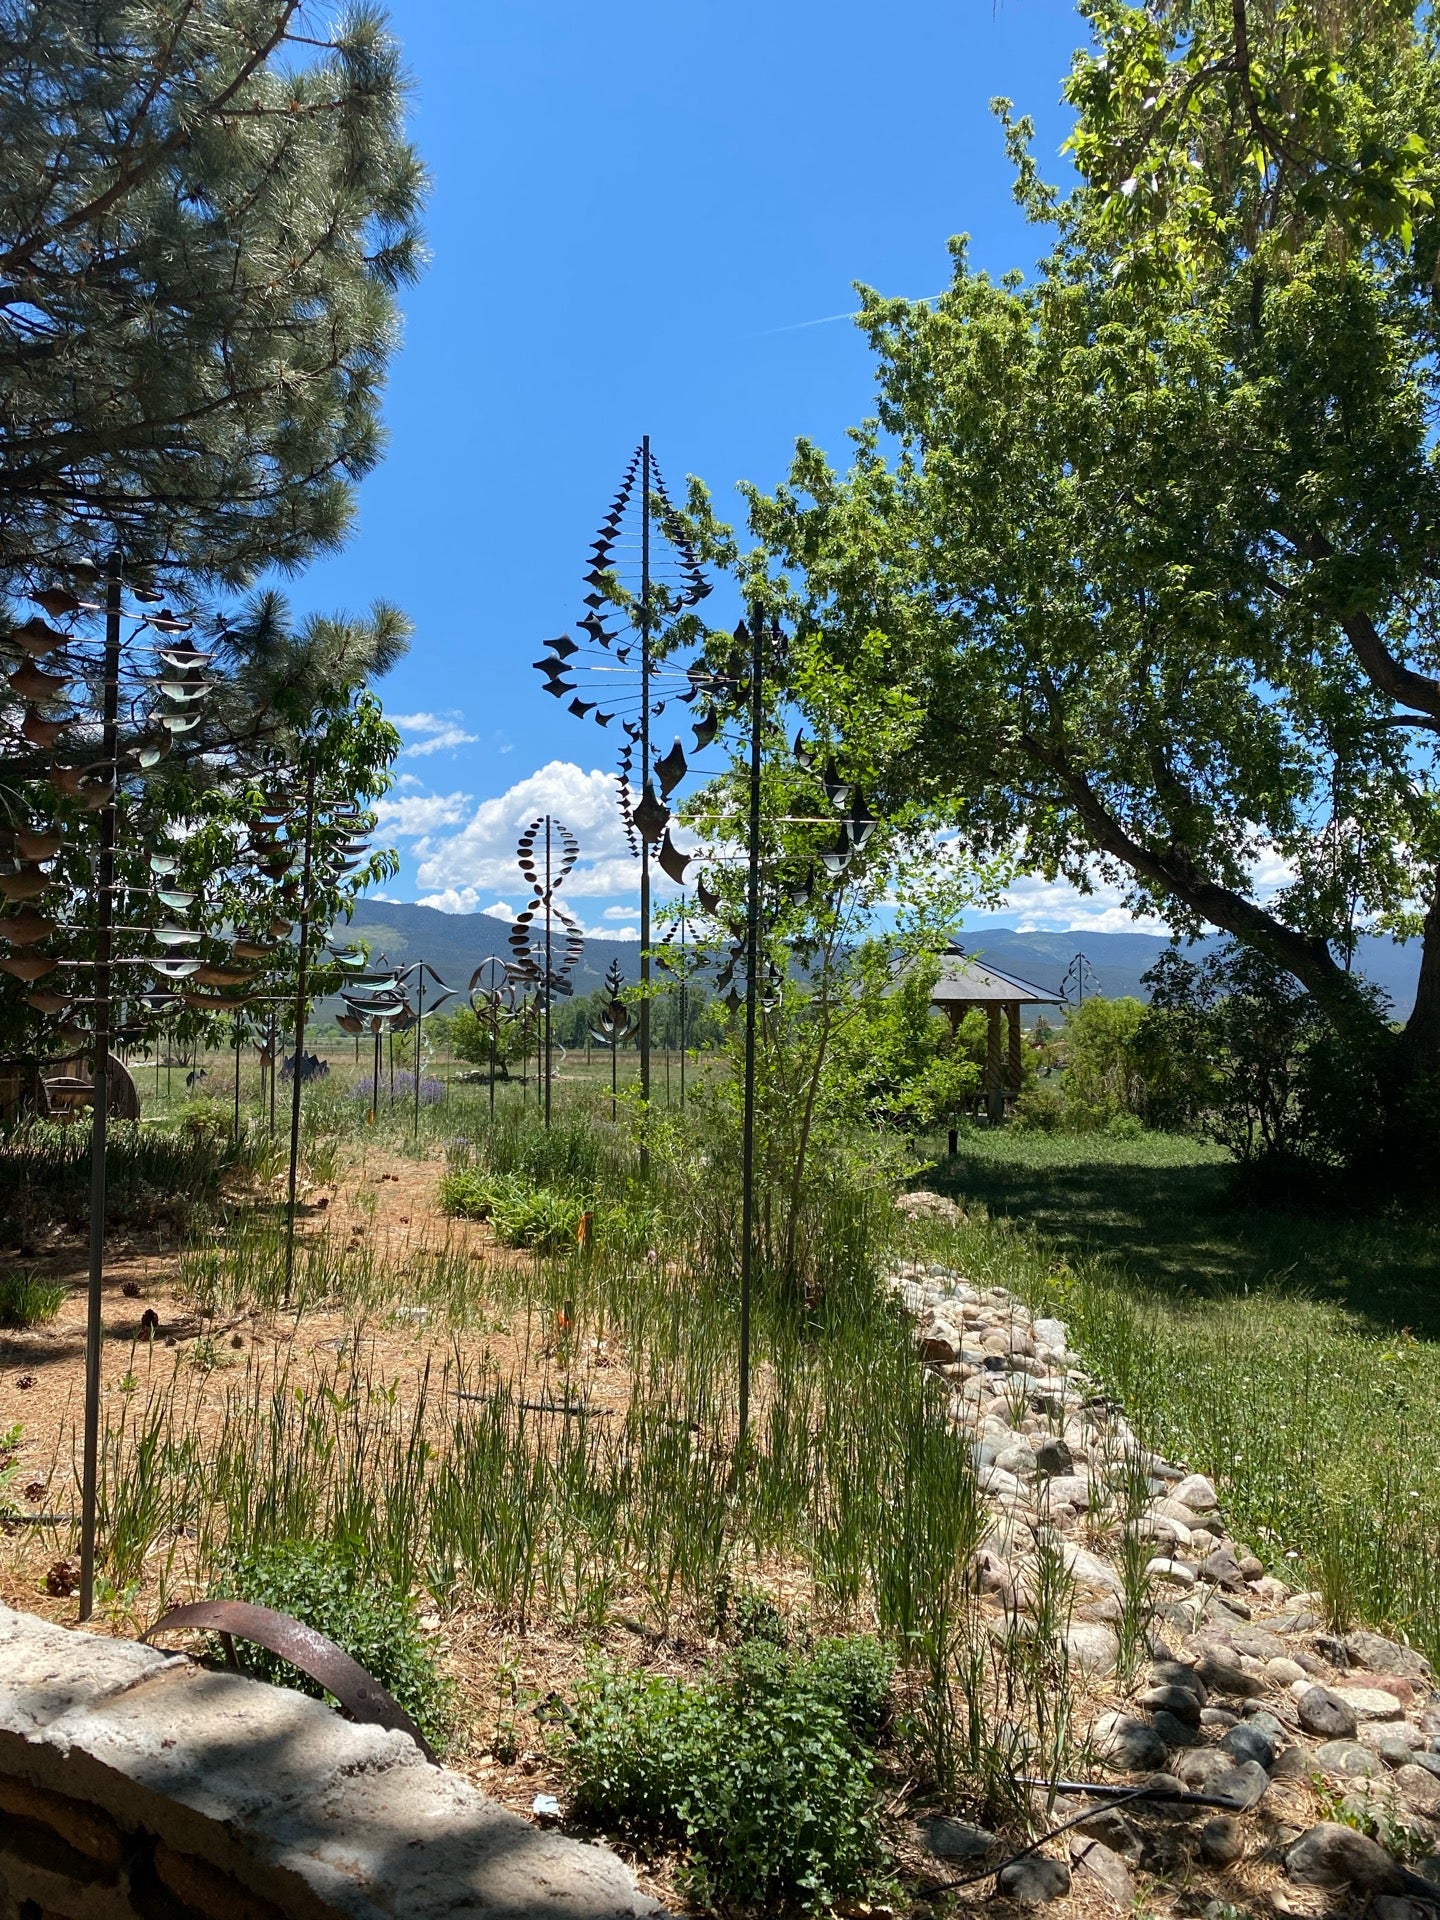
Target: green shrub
{"x": 763, "y": 1774}
{"x": 522, "y": 1214}
{"x": 28, "y": 1302}
{"x": 319, "y": 1583}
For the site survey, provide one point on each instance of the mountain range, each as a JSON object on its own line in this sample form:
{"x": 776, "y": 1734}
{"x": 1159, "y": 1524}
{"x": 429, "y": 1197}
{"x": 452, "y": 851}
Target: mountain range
{"x": 455, "y": 944}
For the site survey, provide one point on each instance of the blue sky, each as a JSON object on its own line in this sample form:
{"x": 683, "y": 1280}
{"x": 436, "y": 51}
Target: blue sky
{"x": 639, "y": 212}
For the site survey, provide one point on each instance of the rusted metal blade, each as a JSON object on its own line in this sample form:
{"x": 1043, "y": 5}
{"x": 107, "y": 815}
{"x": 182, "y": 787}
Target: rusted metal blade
{"x": 361, "y": 1696}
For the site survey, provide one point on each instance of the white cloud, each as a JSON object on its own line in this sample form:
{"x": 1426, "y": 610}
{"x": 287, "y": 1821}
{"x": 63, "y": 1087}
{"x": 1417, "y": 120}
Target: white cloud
{"x": 438, "y": 733}
{"x": 481, "y": 857}
{"x": 413, "y": 814}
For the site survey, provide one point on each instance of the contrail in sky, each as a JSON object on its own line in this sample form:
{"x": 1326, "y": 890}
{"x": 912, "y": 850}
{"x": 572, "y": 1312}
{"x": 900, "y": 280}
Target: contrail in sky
{"x": 826, "y": 320}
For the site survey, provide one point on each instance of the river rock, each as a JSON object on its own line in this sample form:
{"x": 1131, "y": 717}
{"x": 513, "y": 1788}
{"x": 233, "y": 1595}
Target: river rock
{"x": 1174, "y": 1572}
{"x": 1179, "y": 1701}
{"x": 1196, "y": 1769}
{"x": 1054, "y": 1457}
{"x": 1127, "y": 1742}
{"x": 1175, "y": 1733}
{"x": 1224, "y": 1569}
{"x": 1325, "y": 1714}
{"x": 1093, "y": 1649}
{"x": 1419, "y": 1789}
{"x": 1371, "y": 1703}
{"x": 1196, "y": 1492}
{"x": 1093, "y": 1860}
{"x": 1376, "y": 1654}
{"x": 1330, "y": 1855}
{"x": 950, "y": 1839}
{"x": 1240, "y": 1787}
{"x": 1349, "y": 1758}
{"x": 1017, "y": 1459}
{"x": 1219, "y": 1667}
{"x": 1286, "y": 1672}
{"x": 1111, "y": 1826}
{"x": 1178, "y": 1673}
{"x": 1248, "y": 1742}
{"x": 1033, "y": 1882}
{"x": 1222, "y": 1840}
{"x": 1087, "y": 1569}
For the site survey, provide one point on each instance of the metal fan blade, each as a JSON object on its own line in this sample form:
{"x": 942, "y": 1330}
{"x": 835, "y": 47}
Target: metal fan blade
{"x": 27, "y": 966}
{"x": 837, "y": 791}
{"x": 32, "y": 683}
{"x": 672, "y": 861}
{"x": 57, "y": 602}
{"x": 38, "y": 843}
{"x": 37, "y": 638}
{"x": 47, "y": 1003}
{"x": 705, "y": 731}
{"x": 671, "y": 770}
{"x": 26, "y": 883}
{"x": 650, "y": 817}
{"x": 708, "y": 898}
{"x": 25, "y": 928}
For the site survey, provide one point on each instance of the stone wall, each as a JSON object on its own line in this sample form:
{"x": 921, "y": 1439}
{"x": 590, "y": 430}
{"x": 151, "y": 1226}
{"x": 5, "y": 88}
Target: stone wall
{"x": 134, "y": 1782}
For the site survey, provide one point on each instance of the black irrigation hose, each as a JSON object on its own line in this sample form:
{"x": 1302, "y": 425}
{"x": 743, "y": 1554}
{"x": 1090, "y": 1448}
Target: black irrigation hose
{"x": 1120, "y": 1796}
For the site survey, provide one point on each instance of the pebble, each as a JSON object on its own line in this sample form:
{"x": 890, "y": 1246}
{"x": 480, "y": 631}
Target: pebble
{"x": 1286, "y": 1672}
{"x": 1325, "y": 1714}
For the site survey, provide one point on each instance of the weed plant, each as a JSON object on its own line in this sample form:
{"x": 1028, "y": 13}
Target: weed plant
{"x": 26, "y": 1301}
{"x": 764, "y": 1775}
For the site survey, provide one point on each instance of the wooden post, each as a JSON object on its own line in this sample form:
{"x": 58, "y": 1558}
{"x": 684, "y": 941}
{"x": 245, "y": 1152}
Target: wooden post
{"x": 1016, "y": 1061}
{"x": 994, "y": 1066}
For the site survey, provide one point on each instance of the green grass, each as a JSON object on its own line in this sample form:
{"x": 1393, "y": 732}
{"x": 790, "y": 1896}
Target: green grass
{"x": 28, "y": 1302}
{"x": 1163, "y": 1208}
{"x": 1291, "y": 1355}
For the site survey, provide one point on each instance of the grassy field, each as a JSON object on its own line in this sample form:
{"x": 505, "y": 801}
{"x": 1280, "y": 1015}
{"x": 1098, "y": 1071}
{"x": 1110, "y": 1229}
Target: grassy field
{"x": 1291, "y": 1354}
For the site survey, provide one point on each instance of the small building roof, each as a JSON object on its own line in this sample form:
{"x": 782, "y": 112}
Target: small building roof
{"x": 964, "y": 982}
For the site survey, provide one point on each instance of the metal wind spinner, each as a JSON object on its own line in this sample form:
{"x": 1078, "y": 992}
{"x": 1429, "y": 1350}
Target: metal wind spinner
{"x": 547, "y": 853}
{"x": 643, "y": 583}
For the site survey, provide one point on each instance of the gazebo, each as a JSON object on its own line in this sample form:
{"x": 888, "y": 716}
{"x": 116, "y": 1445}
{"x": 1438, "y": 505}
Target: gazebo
{"x": 962, "y": 984}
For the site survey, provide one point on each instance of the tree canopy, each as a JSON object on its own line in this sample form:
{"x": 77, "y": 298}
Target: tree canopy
{"x": 1151, "y": 537}
{"x": 204, "y": 215}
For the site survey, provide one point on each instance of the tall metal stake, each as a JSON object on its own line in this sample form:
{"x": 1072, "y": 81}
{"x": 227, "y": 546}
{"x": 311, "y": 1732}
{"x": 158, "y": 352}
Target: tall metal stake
{"x": 235, "y": 1125}
{"x": 549, "y": 970}
{"x": 419, "y": 1031}
{"x": 100, "y": 1096}
{"x": 645, "y": 775}
{"x": 298, "y": 1075}
{"x": 684, "y": 1008}
{"x": 752, "y": 968}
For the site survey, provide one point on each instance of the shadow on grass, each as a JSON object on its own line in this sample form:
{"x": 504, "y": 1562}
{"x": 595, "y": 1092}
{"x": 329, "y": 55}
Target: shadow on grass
{"x": 1165, "y": 1211}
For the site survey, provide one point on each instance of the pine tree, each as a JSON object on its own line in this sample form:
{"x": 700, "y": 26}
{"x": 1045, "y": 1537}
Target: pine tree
{"x": 205, "y": 214}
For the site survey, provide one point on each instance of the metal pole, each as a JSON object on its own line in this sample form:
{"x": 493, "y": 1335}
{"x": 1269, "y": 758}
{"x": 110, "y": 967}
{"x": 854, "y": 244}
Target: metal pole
{"x": 548, "y": 974}
{"x": 684, "y": 1008}
{"x": 645, "y": 778}
{"x": 419, "y": 1029}
{"x": 100, "y": 1092}
{"x": 375, "y": 1081}
{"x": 235, "y": 1128}
{"x": 494, "y": 1036}
{"x": 614, "y": 1076}
{"x": 752, "y": 968}
{"x": 300, "y": 985}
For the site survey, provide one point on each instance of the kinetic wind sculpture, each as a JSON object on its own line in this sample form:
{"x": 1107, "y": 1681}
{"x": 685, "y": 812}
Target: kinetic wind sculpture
{"x": 492, "y": 1000}
{"x": 416, "y": 971}
{"x": 146, "y": 692}
{"x": 644, "y": 578}
{"x": 547, "y": 853}
{"x": 615, "y": 1025}
{"x": 375, "y": 1003}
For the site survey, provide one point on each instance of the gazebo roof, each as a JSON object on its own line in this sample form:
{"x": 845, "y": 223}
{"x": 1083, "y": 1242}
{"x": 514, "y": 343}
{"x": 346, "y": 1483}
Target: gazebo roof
{"x": 964, "y": 982}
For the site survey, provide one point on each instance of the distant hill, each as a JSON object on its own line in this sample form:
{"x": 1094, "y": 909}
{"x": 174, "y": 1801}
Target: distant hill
{"x": 456, "y": 943}
{"x": 1119, "y": 959}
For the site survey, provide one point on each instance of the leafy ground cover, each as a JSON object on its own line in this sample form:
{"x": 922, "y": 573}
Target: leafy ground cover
{"x": 1292, "y": 1355}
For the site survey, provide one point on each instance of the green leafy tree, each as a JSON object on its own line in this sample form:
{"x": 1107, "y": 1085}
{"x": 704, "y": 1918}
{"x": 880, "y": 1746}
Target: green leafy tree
{"x": 1154, "y": 539}
{"x": 205, "y": 212}
{"x": 1101, "y": 1078}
